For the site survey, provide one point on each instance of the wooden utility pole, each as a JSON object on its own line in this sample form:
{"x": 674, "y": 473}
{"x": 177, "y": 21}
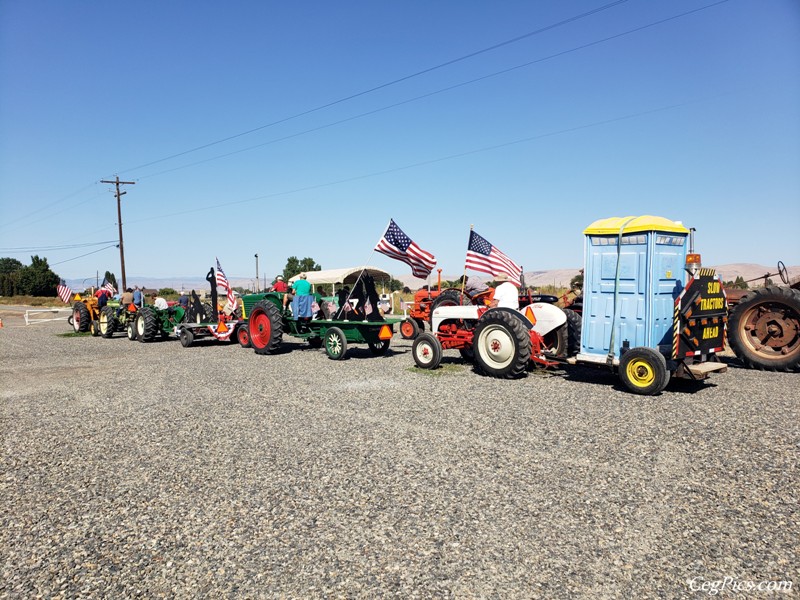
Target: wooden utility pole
{"x": 119, "y": 195}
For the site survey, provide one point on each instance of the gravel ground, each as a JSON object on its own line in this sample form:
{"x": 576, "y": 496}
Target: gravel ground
{"x": 150, "y": 470}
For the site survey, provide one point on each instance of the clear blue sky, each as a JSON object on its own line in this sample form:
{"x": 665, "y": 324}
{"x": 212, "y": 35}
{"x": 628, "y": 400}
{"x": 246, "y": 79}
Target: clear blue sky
{"x": 696, "y": 119}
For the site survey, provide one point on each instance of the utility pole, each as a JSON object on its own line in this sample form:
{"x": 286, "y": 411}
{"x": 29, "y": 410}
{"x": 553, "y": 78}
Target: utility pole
{"x": 257, "y": 277}
{"x": 119, "y": 195}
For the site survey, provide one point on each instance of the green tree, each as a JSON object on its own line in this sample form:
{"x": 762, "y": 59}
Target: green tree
{"x": 577, "y": 281}
{"x": 109, "y": 276}
{"x": 9, "y": 276}
{"x": 395, "y": 285}
{"x": 295, "y": 266}
{"x": 738, "y": 284}
{"x": 37, "y": 279}
{"x": 167, "y": 292}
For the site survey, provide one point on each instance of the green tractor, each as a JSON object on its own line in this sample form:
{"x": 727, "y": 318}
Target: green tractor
{"x": 151, "y": 322}
{"x": 356, "y": 320}
{"x": 114, "y": 317}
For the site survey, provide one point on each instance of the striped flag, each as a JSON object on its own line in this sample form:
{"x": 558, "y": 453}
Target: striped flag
{"x": 64, "y": 291}
{"x": 396, "y": 244}
{"x": 107, "y": 285}
{"x": 222, "y": 282}
{"x": 483, "y": 257}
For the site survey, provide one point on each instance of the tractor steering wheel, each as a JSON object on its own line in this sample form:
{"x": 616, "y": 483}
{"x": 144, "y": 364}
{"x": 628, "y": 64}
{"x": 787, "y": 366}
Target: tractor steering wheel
{"x": 782, "y": 272}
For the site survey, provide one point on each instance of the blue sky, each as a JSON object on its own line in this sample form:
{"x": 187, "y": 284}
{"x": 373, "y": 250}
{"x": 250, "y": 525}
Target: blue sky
{"x": 309, "y": 152}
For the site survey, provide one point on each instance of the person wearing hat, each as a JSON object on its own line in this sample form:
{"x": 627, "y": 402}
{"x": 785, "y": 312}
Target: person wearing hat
{"x": 506, "y": 294}
{"x": 279, "y": 285}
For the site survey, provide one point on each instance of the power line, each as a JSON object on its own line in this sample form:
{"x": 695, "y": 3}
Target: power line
{"x": 387, "y": 84}
{"x": 53, "y": 248}
{"x": 61, "y": 262}
{"x": 436, "y": 92}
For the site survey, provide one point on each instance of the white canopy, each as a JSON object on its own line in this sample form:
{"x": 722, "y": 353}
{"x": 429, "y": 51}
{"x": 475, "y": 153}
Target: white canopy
{"x": 338, "y": 277}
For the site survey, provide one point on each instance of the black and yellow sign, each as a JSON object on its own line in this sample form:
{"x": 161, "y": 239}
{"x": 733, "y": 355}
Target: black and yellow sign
{"x": 701, "y": 313}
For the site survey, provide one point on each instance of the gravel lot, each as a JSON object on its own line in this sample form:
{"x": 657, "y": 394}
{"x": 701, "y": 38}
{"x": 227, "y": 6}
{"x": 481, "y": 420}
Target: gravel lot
{"x": 150, "y": 470}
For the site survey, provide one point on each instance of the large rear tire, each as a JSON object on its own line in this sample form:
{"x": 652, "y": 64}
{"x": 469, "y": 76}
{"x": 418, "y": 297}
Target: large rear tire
{"x": 108, "y": 321}
{"x": 574, "y": 324}
{"x": 764, "y": 329}
{"x": 644, "y": 371}
{"x": 502, "y": 345}
{"x": 146, "y": 324}
{"x": 80, "y": 317}
{"x": 265, "y": 326}
{"x": 449, "y": 298}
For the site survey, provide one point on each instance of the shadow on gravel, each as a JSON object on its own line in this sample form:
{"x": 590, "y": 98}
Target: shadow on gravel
{"x": 601, "y": 376}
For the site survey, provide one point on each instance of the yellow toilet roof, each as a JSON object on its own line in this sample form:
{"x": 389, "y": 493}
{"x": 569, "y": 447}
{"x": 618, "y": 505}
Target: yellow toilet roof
{"x": 611, "y": 225}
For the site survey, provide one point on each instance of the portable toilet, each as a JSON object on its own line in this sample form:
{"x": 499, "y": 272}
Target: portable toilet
{"x": 633, "y": 273}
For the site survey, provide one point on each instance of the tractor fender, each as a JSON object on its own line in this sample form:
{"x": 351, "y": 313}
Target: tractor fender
{"x": 544, "y": 317}
{"x": 447, "y": 313}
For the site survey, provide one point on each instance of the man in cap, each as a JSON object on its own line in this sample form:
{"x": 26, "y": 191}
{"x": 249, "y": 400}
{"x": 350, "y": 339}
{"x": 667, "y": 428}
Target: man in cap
{"x": 506, "y": 294}
{"x": 279, "y": 285}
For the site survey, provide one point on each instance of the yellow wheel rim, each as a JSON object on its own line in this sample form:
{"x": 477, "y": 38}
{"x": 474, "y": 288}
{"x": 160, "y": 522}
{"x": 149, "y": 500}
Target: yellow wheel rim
{"x": 640, "y": 373}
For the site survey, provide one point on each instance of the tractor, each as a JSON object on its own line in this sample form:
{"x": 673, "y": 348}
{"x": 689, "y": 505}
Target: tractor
{"x": 426, "y": 301}
{"x": 114, "y": 317}
{"x": 764, "y": 323}
{"x": 650, "y": 312}
{"x": 86, "y": 314}
{"x": 356, "y": 319}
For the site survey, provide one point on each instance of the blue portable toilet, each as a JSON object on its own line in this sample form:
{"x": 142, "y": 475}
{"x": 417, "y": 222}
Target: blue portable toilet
{"x": 633, "y": 273}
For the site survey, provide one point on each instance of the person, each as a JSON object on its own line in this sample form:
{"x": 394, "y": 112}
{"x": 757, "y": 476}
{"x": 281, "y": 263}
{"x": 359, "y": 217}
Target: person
{"x": 137, "y": 297}
{"x": 301, "y": 303}
{"x": 102, "y": 297}
{"x": 184, "y": 300}
{"x": 126, "y": 298}
{"x": 506, "y": 295}
{"x": 474, "y": 286}
{"x": 279, "y": 285}
{"x": 159, "y": 302}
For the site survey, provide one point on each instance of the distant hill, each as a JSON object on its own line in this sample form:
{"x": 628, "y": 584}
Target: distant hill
{"x": 557, "y": 277}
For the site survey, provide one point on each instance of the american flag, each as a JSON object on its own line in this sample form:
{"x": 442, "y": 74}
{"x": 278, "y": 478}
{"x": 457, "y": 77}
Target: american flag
{"x": 222, "y": 282}
{"x": 396, "y": 244}
{"x": 64, "y": 291}
{"x": 107, "y": 285}
{"x": 483, "y": 257}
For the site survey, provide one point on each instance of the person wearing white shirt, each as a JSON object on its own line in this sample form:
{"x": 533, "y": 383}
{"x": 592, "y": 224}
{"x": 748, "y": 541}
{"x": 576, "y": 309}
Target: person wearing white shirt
{"x": 506, "y": 295}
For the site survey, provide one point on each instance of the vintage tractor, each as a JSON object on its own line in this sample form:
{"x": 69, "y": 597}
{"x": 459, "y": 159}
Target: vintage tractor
{"x": 427, "y": 301}
{"x": 650, "y": 312}
{"x": 151, "y": 322}
{"x": 764, "y": 324}
{"x": 114, "y": 317}
{"x": 86, "y": 314}
{"x": 356, "y": 320}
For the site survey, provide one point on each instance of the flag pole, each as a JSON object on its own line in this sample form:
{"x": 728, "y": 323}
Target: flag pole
{"x": 464, "y": 278}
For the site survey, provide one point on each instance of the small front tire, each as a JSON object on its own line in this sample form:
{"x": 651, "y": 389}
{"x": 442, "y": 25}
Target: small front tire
{"x": 427, "y": 351}
{"x": 643, "y": 371}
{"x": 335, "y": 343}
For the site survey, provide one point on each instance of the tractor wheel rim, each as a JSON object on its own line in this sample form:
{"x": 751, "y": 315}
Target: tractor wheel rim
{"x": 498, "y": 345}
{"x": 261, "y": 329}
{"x": 640, "y": 373}
{"x": 334, "y": 345}
{"x": 425, "y": 353}
{"x": 406, "y": 329}
{"x": 140, "y": 326}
